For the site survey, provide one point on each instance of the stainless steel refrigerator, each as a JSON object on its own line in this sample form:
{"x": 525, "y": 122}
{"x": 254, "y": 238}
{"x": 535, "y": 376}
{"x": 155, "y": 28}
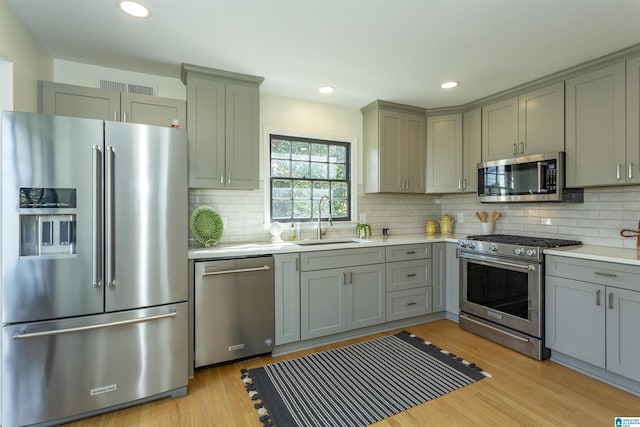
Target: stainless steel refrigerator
{"x": 93, "y": 266}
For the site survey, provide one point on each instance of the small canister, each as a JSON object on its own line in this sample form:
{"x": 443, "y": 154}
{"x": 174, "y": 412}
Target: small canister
{"x": 446, "y": 224}
{"x": 430, "y": 227}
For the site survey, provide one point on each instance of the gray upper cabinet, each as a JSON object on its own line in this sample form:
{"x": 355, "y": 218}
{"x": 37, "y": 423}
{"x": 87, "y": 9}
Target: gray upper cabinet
{"x": 595, "y": 114}
{"x": 633, "y": 121}
{"x": 223, "y": 128}
{"x": 92, "y": 103}
{"x": 394, "y": 148}
{"x": 528, "y": 124}
{"x": 444, "y": 154}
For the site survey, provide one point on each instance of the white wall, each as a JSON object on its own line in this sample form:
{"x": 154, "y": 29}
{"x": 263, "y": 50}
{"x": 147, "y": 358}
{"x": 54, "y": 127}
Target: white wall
{"x": 30, "y": 61}
{"x": 80, "y": 74}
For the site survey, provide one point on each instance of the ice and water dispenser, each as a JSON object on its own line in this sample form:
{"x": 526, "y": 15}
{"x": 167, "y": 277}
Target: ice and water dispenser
{"x": 50, "y": 233}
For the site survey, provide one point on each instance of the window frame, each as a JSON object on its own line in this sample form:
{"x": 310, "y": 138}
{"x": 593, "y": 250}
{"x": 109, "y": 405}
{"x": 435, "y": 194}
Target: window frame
{"x": 352, "y": 144}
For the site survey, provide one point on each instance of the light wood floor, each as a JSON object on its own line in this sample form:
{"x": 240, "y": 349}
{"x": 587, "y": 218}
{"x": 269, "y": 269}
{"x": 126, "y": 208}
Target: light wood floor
{"x": 522, "y": 391}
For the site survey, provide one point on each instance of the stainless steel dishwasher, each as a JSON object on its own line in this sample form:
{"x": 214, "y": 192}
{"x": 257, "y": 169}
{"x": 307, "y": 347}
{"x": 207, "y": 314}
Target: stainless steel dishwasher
{"x": 234, "y": 309}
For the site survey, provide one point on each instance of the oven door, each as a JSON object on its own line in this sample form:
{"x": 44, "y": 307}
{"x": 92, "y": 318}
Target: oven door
{"x": 503, "y": 291}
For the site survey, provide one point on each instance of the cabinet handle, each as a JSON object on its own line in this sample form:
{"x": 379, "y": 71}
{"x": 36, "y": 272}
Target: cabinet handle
{"x": 521, "y": 147}
{"x": 618, "y": 171}
{"x": 115, "y": 116}
{"x": 344, "y": 278}
{"x": 464, "y": 184}
{"x": 411, "y": 303}
{"x": 411, "y": 275}
{"x": 297, "y": 264}
{"x": 124, "y": 116}
{"x": 459, "y": 184}
{"x": 515, "y": 148}
{"x": 598, "y": 292}
{"x": 600, "y": 273}
{"x": 351, "y": 277}
{"x": 221, "y": 177}
{"x": 611, "y": 300}
{"x": 229, "y": 178}
{"x": 411, "y": 252}
{"x": 630, "y": 173}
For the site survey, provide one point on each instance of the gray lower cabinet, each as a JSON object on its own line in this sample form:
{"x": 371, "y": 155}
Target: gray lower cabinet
{"x": 287, "y": 297}
{"x": 593, "y": 313}
{"x": 409, "y": 288}
{"x": 92, "y": 103}
{"x": 452, "y": 278}
{"x": 346, "y": 297}
{"x": 223, "y": 128}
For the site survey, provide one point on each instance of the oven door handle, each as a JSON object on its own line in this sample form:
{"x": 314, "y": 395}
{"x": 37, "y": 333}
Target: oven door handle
{"x": 527, "y": 267}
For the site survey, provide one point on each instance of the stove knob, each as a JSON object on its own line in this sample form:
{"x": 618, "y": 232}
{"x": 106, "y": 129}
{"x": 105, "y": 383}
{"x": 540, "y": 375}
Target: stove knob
{"x": 471, "y": 245}
{"x": 531, "y": 252}
{"x": 519, "y": 251}
{"x": 493, "y": 248}
{"x": 463, "y": 245}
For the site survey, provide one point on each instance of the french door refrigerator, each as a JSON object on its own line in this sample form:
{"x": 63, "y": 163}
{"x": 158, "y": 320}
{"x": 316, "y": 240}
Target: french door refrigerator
{"x": 93, "y": 266}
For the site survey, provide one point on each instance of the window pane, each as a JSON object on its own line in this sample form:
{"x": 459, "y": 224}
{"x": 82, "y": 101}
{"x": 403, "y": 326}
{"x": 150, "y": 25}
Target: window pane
{"x": 338, "y": 190}
{"x": 300, "y": 169}
{"x": 281, "y": 209}
{"x": 300, "y": 150}
{"x": 280, "y": 168}
{"x": 301, "y": 209}
{"x": 280, "y": 149}
{"x": 302, "y": 190}
{"x": 340, "y": 209}
{"x": 319, "y": 152}
{"x": 320, "y": 189}
{"x": 337, "y": 171}
{"x": 319, "y": 170}
{"x": 281, "y": 189}
{"x": 337, "y": 154}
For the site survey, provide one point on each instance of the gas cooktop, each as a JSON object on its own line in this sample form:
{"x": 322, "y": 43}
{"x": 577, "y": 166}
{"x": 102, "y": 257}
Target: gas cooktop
{"x": 540, "y": 242}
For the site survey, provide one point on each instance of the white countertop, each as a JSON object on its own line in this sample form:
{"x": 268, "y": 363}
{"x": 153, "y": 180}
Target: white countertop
{"x": 268, "y": 248}
{"x": 598, "y": 253}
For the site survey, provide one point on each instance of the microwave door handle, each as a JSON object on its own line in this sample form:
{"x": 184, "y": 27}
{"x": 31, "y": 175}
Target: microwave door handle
{"x": 540, "y": 176}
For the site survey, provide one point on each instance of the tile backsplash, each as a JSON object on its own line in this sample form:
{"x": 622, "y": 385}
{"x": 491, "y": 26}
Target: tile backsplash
{"x": 597, "y": 221}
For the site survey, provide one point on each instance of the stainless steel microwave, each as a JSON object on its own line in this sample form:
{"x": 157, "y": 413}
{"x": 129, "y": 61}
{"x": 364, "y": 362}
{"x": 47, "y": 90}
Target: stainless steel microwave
{"x": 534, "y": 178}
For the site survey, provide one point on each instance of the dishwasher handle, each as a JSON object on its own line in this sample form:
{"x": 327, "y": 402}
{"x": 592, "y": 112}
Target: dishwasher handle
{"x": 240, "y": 270}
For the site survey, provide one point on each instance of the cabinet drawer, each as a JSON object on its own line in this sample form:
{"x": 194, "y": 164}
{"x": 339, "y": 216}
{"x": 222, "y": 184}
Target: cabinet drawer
{"x": 338, "y": 258}
{"x": 600, "y": 272}
{"x": 408, "y": 252}
{"x": 409, "y": 303}
{"x": 408, "y": 274}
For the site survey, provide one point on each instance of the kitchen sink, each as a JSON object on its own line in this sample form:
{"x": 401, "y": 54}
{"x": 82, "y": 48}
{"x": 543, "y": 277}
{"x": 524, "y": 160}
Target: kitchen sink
{"x": 329, "y": 242}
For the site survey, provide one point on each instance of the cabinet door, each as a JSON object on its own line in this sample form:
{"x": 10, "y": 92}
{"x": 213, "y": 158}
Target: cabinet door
{"x": 366, "y": 296}
{"x": 623, "y": 324}
{"x": 633, "y": 121}
{"x": 323, "y": 305}
{"x": 152, "y": 110}
{"x": 287, "y": 298}
{"x": 77, "y": 101}
{"x": 595, "y": 116}
{"x": 242, "y": 139}
{"x": 205, "y": 125}
{"x": 575, "y": 319}
{"x": 414, "y": 154}
{"x": 452, "y": 279}
{"x": 471, "y": 149}
{"x": 392, "y": 146}
{"x": 541, "y": 120}
{"x": 500, "y": 130}
{"x": 439, "y": 292}
{"x": 444, "y": 154}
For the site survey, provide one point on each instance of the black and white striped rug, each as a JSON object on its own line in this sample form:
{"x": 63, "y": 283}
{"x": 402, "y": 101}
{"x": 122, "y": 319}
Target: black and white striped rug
{"x": 356, "y": 385}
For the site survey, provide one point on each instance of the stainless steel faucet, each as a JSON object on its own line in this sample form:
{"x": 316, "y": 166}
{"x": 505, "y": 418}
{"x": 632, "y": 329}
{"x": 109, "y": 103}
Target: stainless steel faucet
{"x": 319, "y": 215}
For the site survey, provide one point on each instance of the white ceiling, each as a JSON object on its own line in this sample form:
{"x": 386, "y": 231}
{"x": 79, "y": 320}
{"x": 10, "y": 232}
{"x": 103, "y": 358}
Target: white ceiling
{"x": 396, "y": 50}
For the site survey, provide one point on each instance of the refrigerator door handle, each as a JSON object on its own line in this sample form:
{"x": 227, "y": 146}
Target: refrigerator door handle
{"x": 110, "y": 220}
{"x": 97, "y": 216}
{"x": 90, "y": 327}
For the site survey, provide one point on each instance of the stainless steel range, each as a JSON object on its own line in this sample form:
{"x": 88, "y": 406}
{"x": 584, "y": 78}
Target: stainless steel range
{"x": 502, "y": 289}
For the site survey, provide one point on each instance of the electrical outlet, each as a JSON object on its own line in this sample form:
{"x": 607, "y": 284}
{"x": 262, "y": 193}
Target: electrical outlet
{"x": 460, "y": 217}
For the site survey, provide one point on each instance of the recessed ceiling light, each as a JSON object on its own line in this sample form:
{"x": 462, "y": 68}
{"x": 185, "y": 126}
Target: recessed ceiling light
{"x": 325, "y": 89}
{"x": 133, "y": 8}
{"x": 449, "y": 85}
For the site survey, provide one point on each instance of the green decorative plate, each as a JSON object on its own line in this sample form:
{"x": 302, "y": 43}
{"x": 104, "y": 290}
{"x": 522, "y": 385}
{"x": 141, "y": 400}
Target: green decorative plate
{"x": 206, "y": 225}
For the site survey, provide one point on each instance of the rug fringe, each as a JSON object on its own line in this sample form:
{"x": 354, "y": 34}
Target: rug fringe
{"x": 264, "y": 417}
{"x": 460, "y": 359}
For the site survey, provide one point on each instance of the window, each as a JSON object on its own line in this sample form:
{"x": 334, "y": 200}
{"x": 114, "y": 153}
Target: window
{"x": 303, "y": 170}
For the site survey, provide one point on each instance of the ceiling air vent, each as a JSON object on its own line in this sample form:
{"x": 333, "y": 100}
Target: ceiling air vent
{"x": 122, "y": 86}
